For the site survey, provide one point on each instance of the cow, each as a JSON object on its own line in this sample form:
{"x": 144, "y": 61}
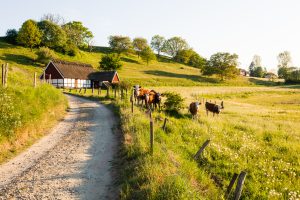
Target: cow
{"x": 153, "y": 98}
{"x": 194, "y": 107}
{"x": 214, "y": 108}
{"x": 136, "y": 92}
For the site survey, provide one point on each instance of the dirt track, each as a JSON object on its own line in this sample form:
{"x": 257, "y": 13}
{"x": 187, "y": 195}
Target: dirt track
{"x": 72, "y": 162}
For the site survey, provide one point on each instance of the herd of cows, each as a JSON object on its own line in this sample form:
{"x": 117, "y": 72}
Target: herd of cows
{"x": 153, "y": 99}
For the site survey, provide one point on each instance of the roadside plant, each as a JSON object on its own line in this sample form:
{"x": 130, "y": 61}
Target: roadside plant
{"x": 174, "y": 102}
{"x": 10, "y": 118}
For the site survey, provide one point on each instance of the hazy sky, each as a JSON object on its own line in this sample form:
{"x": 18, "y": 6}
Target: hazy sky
{"x": 245, "y": 27}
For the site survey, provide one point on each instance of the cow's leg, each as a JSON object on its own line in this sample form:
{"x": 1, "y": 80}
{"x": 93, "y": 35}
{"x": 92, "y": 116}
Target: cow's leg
{"x": 206, "y": 112}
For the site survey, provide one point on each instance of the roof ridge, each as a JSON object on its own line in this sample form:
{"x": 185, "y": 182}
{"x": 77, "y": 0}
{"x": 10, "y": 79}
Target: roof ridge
{"x": 71, "y": 63}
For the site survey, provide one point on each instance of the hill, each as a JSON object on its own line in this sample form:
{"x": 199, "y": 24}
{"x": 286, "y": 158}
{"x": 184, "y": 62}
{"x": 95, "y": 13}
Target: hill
{"x": 163, "y": 72}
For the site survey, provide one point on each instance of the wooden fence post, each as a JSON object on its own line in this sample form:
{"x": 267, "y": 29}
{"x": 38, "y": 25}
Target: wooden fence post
{"x": 93, "y": 89}
{"x": 50, "y": 79}
{"x": 234, "y": 177}
{"x": 131, "y": 100}
{"x": 201, "y": 149}
{"x": 151, "y": 134}
{"x": 3, "y": 75}
{"x": 107, "y": 92}
{"x": 85, "y": 90}
{"x": 165, "y": 123}
{"x": 34, "y": 80}
{"x": 239, "y": 186}
{"x": 44, "y": 77}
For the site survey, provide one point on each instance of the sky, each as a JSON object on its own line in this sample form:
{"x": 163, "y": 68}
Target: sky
{"x": 244, "y": 27}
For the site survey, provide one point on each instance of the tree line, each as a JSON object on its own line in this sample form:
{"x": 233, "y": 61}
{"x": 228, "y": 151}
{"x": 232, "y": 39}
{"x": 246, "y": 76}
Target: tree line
{"x": 222, "y": 64}
{"x": 53, "y": 33}
{"x": 285, "y": 71}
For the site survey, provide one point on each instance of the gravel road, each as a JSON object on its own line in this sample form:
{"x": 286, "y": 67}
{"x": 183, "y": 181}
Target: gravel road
{"x": 72, "y": 162}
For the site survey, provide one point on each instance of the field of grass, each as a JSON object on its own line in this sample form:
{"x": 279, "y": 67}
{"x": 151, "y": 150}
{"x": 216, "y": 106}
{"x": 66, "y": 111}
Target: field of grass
{"x": 258, "y": 132}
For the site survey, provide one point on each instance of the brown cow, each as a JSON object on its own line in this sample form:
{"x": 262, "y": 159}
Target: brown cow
{"x": 153, "y": 98}
{"x": 194, "y": 107}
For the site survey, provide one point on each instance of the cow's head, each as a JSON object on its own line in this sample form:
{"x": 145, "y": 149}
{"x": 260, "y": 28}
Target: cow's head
{"x": 136, "y": 89}
{"x": 158, "y": 97}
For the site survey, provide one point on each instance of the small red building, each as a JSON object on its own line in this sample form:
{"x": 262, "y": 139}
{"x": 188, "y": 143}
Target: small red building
{"x": 76, "y": 75}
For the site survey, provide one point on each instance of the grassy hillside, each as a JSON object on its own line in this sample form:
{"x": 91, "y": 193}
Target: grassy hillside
{"x": 27, "y": 113}
{"x": 163, "y": 72}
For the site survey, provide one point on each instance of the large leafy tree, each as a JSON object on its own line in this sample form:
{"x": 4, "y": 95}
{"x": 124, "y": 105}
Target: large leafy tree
{"x": 77, "y": 33}
{"x": 197, "y": 61}
{"x": 120, "y": 44}
{"x": 110, "y": 62}
{"x": 53, "y": 35}
{"x": 222, "y": 64}
{"x": 139, "y": 44}
{"x": 284, "y": 63}
{"x": 157, "y": 43}
{"x": 147, "y": 55}
{"x": 255, "y": 67}
{"x": 29, "y": 34}
{"x": 173, "y": 45}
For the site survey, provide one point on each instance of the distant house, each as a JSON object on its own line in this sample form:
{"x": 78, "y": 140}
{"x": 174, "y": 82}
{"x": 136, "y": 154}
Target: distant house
{"x": 64, "y": 74}
{"x": 244, "y": 72}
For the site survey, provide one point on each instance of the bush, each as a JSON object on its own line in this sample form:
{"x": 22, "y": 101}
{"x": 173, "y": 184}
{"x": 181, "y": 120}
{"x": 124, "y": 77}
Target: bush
{"x": 11, "y": 36}
{"x": 110, "y": 62}
{"x": 10, "y": 118}
{"x": 45, "y": 55}
{"x": 70, "y": 49}
{"x": 174, "y": 102}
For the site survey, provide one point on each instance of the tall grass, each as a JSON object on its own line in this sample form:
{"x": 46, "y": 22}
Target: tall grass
{"x": 26, "y": 112}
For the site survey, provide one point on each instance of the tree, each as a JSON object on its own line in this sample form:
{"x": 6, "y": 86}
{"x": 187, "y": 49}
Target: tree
{"x": 157, "y": 43}
{"x": 120, "y": 44}
{"x": 258, "y": 72}
{"x": 139, "y": 44}
{"x": 45, "y": 55}
{"x": 147, "y": 55}
{"x": 284, "y": 59}
{"x": 197, "y": 61}
{"x": 184, "y": 55}
{"x": 56, "y": 19}
{"x": 255, "y": 67}
{"x": 284, "y": 62}
{"x": 110, "y": 62}
{"x": 223, "y": 65}
{"x": 257, "y": 61}
{"x": 53, "y": 36}
{"x": 29, "y": 34}
{"x": 173, "y": 45}
{"x": 11, "y": 36}
{"x": 77, "y": 33}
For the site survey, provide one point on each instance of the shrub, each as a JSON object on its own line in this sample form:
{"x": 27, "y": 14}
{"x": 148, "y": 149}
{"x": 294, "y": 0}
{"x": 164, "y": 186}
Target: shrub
{"x": 11, "y": 36}
{"x": 70, "y": 49}
{"x": 45, "y": 55}
{"x": 10, "y": 118}
{"x": 110, "y": 62}
{"x": 174, "y": 102}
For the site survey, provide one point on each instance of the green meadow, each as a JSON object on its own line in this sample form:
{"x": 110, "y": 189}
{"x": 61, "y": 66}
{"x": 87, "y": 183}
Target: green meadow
{"x": 257, "y": 132}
